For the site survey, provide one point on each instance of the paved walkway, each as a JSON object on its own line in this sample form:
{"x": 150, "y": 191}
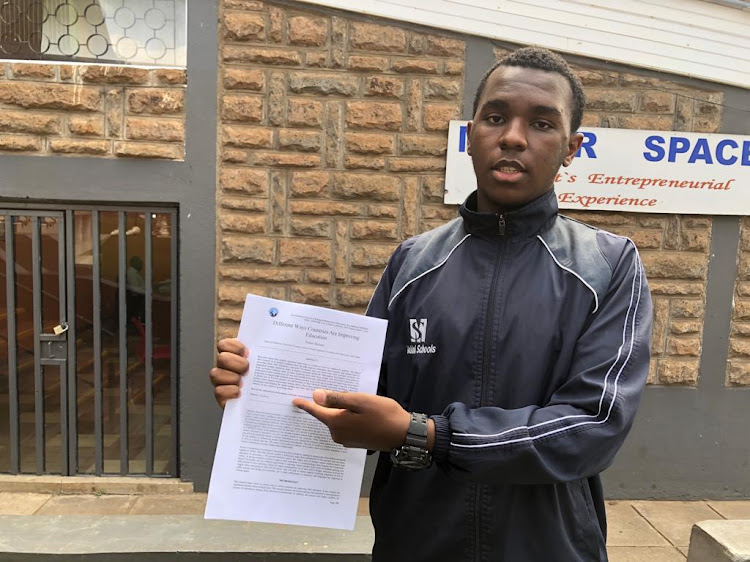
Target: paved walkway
{"x": 639, "y": 531}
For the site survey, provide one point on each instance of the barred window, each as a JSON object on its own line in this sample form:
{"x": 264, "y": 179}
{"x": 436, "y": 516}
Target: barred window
{"x": 143, "y": 32}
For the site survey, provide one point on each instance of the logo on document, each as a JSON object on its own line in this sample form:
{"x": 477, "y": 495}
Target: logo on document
{"x": 273, "y": 312}
{"x": 418, "y": 335}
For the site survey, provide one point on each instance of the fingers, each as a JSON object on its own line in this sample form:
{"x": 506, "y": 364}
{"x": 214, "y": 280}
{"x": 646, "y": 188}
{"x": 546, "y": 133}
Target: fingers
{"x": 232, "y": 362}
{"x": 351, "y": 401}
{"x": 320, "y": 413}
{"x": 221, "y": 377}
{"x": 232, "y": 345}
{"x": 226, "y": 392}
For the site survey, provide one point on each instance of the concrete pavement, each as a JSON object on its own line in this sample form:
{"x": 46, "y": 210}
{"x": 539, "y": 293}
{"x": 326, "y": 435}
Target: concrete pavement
{"x": 641, "y": 531}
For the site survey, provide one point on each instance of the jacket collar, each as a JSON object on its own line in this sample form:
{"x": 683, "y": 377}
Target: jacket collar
{"x": 523, "y": 222}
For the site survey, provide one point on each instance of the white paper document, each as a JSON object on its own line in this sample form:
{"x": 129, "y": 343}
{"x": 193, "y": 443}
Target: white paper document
{"x": 275, "y": 463}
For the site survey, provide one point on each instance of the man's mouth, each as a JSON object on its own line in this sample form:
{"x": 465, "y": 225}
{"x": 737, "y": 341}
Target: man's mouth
{"x": 508, "y": 166}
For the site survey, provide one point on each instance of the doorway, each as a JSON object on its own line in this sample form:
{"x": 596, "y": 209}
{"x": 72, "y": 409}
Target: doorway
{"x": 88, "y": 340}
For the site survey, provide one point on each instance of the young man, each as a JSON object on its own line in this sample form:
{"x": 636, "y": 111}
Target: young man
{"x": 516, "y": 354}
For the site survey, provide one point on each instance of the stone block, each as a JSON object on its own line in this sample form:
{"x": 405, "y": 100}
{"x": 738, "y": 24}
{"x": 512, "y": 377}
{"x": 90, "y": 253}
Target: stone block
{"x": 71, "y": 146}
{"x": 374, "y": 230}
{"x": 433, "y": 189}
{"x": 379, "y": 187}
{"x": 678, "y": 371}
{"x": 302, "y": 141}
{"x": 246, "y": 224}
{"x": 365, "y": 63}
{"x": 739, "y": 373}
{"x": 241, "y": 26}
{"x": 320, "y": 228}
{"x": 673, "y": 265}
{"x": 657, "y": 102}
{"x": 382, "y": 211}
{"x": 685, "y": 345}
{"x": 350, "y": 297}
{"x": 410, "y": 165}
{"x": 374, "y": 115}
{"x": 316, "y": 60}
{"x": 415, "y": 66}
{"x": 276, "y": 30}
{"x": 290, "y": 160}
{"x": 32, "y": 70}
{"x": 260, "y": 274}
{"x": 310, "y": 184}
{"x": 323, "y": 84}
{"x": 309, "y": 253}
{"x": 422, "y": 145}
{"x": 29, "y": 122}
{"x": 363, "y": 163}
{"x": 453, "y": 68}
{"x": 368, "y": 143}
{"x": 32, "y": 95}
{"x": 325, "y": 208}
{"x": 144, "y": 128}
{"x": 677, "y": 288}
{"x": 261, "y": 55}
{"x": 371, "y": 255}
{"x": 647, "y": 122}
{"x": 149, "y": 150}
{"x": 384, "y": 87}
{"x": 113, "y": 112}
{"x": 680, "y": 327}
{"x": 436, "y": 45}
{"x": 430, "y": 212}
{"x": 250, "y": 250}
{"x": 244, "y": 79}
{"x": 246, "y": 180}
{"x": 308, "y": 31}
{"x": 242, "y": 108}
{"x": 659, "y": 326}
{"x": 687, "y": 308}
{"x": 441, "y": 89}
{"x": 113, "y": 75}
{"x": 86, "y": 126}
{"x": 438, "y": 116}
{"x": 306, "y": 294}
{"x": 318, "y": 276}
{"x": 611, "y": 100}
{"x": 247, "y": 137}
{"x": 373, "y": 37}
{"x": 304, "y": 113}
{"x": 156, "y": 101}
{"x": 170, "y": 77}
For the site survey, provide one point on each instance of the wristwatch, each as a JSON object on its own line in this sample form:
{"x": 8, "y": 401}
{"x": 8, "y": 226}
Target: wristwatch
{"x": 413, "y": 454}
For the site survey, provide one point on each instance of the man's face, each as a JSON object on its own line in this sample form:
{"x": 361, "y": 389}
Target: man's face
{"x": 520, "y": 136}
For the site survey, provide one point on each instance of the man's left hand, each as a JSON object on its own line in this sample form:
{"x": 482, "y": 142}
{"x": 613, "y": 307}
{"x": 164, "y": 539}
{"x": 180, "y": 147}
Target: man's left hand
{"x": 359, "y": 420}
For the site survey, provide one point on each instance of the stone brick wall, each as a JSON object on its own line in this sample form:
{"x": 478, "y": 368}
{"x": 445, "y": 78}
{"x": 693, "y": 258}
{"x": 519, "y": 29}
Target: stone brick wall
{"x": 99, "y": 111}
{"x": 738, "y": 366}
{"x": 333, "y": 136}
{"x": 333, "y": 139}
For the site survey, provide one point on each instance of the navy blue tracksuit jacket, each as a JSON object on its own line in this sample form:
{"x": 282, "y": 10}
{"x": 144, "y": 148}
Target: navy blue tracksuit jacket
{"x": 525, "y": 336}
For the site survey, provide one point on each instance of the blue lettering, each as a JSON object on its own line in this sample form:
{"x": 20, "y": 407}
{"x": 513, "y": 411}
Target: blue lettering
{"x": 462, "y": 138}
{"x": 720, "y": 152}
{"x": 746, "y": 153}
{"x": 677, "y": 145}
{"x": 589, "y": 140}
{"x": 701, "y": 152}
{"x": 653, "y": 143}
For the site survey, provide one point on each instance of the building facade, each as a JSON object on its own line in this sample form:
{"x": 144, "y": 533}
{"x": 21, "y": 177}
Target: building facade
{"x": 299, "y": 146}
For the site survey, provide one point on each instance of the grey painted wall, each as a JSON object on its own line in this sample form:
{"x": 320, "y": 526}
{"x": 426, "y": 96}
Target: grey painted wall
{"x": 191, "y": 186}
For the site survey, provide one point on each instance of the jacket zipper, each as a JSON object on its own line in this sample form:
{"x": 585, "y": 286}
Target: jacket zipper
{"x": 501, "y": 228}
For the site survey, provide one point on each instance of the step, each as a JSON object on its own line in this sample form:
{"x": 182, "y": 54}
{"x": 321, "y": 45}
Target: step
{"x": 720, "y": 541}
{"x": 175, "y": 537}
{"x": 50, "y": 484}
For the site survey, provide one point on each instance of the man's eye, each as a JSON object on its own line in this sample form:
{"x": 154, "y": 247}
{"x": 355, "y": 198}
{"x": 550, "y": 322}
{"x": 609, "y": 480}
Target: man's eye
{"x": 543, "y": 125}
{"x": 495, "y": 119}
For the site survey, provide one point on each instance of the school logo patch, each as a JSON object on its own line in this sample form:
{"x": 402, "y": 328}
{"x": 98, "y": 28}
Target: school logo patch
{"x": 418, "y": 335}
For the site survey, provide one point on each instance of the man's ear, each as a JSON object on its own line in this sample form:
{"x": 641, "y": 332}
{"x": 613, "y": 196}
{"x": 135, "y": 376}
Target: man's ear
{"x": 574, "y": 143}
{"x": 469, "y": 125}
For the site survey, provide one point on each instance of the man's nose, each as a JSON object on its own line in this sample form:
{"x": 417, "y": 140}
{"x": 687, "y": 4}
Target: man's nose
{"x": 514, "y": 135}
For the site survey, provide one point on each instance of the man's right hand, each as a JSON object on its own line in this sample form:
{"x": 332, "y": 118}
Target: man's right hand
{"x": 231, "y": 365}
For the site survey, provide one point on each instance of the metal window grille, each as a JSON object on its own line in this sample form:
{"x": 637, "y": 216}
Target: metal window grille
{"x": 144, "y": 32}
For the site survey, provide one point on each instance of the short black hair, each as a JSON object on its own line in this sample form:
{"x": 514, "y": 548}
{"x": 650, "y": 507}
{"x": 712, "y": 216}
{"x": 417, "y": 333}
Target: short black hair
{"x": 541, "y": 59}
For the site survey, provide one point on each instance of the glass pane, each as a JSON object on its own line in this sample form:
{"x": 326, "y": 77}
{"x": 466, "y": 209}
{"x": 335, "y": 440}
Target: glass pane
{"x": 25, "y": 341}
{"x": 4, "y": 372}
{"x": 162, "y": 354}
{"x": 148, "y": 32}
{"x": 136, "y": 309}
{"x": 84, "y": 281}
{"x": 53, "y": 439}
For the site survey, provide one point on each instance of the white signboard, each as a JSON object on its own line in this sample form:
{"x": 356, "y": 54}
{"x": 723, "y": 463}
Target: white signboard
{"x": 635, "y": 171}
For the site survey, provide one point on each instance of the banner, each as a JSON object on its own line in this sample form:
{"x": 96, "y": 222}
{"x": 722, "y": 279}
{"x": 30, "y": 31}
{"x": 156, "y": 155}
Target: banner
{"x": 635, "y": 171}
